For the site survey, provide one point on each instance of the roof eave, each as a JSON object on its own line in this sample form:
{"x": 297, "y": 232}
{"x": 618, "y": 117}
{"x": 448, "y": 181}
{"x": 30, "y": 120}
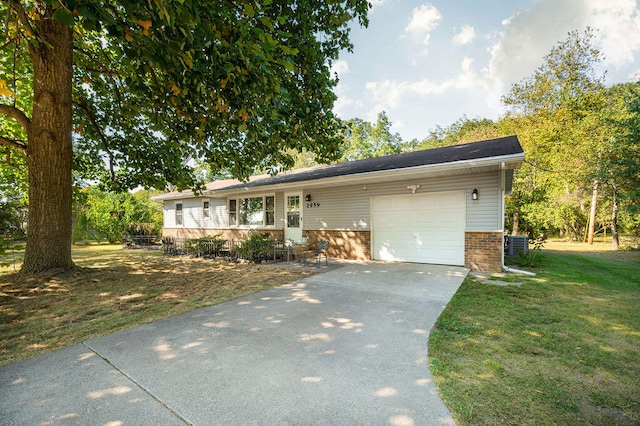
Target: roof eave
{"x": 174, "y": 196}
{"x": 511, "y": 161}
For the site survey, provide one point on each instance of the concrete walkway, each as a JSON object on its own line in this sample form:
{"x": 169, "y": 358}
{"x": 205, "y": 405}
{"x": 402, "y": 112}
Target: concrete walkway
{"x": 346, "y": 347}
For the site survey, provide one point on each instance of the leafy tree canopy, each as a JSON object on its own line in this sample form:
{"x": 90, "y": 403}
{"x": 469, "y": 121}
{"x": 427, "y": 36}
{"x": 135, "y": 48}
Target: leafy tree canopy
{"x": 363, "y": 139}
{"x": 158, "y": 83}
{"x": 137, "y": 89}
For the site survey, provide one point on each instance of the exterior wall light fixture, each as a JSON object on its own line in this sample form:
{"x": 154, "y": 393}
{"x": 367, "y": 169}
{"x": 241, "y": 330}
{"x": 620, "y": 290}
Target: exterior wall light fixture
{"x": 474, "y": 194}
{"x": 413, "y": 188}
{"x": 307, "y": 197}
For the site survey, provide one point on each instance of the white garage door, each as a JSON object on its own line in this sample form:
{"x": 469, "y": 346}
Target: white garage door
{"x": 422, "y": 228}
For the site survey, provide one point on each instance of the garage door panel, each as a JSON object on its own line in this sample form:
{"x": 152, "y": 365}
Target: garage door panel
{"x": 425, "y": 228}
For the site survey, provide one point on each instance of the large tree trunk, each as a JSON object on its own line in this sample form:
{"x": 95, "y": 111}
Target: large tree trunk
{"x": 50, "y": 151}
{"x": 592, "y": 213}
{"x": 516, "y": 223}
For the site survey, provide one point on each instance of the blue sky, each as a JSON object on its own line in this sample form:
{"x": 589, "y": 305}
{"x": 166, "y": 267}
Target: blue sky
{"x": 429, "y": 63}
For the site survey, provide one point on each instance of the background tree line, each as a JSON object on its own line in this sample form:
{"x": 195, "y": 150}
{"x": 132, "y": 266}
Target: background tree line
{"x": 581, "y": 139}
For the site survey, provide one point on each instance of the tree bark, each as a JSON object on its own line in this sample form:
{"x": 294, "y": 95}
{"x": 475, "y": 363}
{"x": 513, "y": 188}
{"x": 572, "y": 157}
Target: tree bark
{"x": 516, "y": 223}
{"x": 614, "y": 218}
{"x": 592, "y": 213}
{"x": 50, "y": 151}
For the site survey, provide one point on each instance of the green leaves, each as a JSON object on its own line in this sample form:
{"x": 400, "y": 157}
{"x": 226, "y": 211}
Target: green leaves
{"x": 566, "y": 121}
{"x": 243, "y": 84}
{"x": 248, "y": 10}
{"x": 63, "y": 15}
{"x": 366, "y": 140}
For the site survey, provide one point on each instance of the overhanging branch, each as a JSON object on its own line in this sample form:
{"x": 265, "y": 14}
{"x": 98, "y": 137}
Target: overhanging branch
{"x": 101, "y": 136}
{"x": 22, "y": 16}
{"x": 106, "y": 72}
{"x": 14, "y": 143}
{"x": 17, "y": 115}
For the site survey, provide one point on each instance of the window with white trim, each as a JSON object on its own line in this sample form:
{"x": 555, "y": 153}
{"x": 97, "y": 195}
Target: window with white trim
{"x": 252, "y": 211}
{"x": 206, "y": 210}
{"x": 179, "y": 216}
{"x": 233, "y": 212}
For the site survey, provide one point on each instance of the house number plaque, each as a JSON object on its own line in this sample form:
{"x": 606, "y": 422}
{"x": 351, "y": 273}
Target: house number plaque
{"x": 312, "y": 205}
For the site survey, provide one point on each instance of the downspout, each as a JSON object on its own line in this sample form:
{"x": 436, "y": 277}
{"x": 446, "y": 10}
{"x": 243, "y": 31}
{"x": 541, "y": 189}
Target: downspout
{"x": 504, "y": 267}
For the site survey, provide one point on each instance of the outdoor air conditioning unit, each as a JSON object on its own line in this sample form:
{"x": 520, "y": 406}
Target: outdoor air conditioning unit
{"x": 516, "y": 245}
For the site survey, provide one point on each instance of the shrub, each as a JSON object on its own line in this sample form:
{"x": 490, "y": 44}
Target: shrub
{"x": 255, "y": 248}
{"x": 205, "y": 245}
{"x": 534, "y": 256}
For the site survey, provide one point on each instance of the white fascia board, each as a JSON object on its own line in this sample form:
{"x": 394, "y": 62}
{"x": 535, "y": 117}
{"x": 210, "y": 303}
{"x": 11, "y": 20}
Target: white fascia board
{"x": 176, "y": 196}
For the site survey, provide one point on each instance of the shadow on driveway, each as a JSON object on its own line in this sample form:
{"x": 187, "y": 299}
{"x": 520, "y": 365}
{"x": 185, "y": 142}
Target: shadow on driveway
{"x": 348, "y": 346}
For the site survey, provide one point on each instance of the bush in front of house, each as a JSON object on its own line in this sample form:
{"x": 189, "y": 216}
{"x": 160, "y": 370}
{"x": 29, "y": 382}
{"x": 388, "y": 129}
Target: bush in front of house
{"x": 257, "y": 247}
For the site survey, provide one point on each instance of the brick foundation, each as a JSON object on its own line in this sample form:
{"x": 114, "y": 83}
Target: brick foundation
{"x": 483, "y": 251}
{"x": 354, "y": 245}
{"x": 227, "y": 234}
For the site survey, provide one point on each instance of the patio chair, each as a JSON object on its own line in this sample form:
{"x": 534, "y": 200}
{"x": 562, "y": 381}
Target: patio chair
{"x": 321, "y": 250}
{"x": 168, "y": 245}
{"x": 282, "y": 247}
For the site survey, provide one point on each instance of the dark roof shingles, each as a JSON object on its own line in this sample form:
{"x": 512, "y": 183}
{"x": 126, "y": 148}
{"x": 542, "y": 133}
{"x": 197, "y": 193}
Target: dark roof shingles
{"x": 449, "y": 154}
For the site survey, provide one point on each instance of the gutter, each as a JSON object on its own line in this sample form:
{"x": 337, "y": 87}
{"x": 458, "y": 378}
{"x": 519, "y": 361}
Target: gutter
{"x": 504, "y": 267}
{"x": 364, "y": 176}
{"x": 405, "y": 172}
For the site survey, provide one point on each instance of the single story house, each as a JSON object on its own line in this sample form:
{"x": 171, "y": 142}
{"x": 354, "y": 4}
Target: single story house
{"x": 441, "y": 206}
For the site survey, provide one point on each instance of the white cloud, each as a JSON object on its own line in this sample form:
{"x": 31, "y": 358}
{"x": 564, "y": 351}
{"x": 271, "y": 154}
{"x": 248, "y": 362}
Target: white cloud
{"x": 530, "y": 35}
{"x": 372, "y": 115}
{"x": 465, "y": 36}
{"x": 618, "y": 22}
{"x": 387, "y": 91}
{"x": 375, "y": 4}
{"x": 424, "y": 19}
{"x": 339, "y": 67}
{"x": 342, "y": 104}
{"x": 397, "y": 126}
{"x": 390, "y": 92}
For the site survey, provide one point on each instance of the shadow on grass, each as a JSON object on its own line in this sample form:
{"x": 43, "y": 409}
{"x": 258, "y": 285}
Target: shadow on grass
{"x": 114, "y": 289}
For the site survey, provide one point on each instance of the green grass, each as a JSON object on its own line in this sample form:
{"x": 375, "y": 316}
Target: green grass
{"x": 563, "y": 348}
{"x": 115, "y": 289}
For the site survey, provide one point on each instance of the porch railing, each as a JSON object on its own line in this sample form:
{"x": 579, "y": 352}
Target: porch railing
{"x": 229, "y": 249}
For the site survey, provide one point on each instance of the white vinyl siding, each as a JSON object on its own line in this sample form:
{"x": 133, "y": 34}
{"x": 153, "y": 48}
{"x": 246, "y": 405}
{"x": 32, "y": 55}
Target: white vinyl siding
{"x": 349, "y": 207}
{"x": 192, "y": 213}
{"x": 219, "y": 217}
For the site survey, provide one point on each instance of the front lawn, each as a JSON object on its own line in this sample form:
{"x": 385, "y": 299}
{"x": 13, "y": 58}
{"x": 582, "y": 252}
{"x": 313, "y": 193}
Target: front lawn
{"x": 562, "y": 348}
{"x": 115, "y": 289}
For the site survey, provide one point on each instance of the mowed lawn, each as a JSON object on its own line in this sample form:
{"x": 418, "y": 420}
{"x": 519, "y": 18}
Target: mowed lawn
{"x": 559, "y": 348}
{"x": 115, "y": 289}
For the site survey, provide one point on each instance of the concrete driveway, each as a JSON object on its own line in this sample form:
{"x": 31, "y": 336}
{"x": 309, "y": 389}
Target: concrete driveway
{"x": 347, "y": 347}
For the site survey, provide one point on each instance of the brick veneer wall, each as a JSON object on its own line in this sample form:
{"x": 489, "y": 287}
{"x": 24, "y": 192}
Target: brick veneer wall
{"x": 483, "y": 251}
{"x": 355, "y": 245}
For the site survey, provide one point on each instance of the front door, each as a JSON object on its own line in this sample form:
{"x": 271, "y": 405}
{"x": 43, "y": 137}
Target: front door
{"x": 293, "y": 216}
